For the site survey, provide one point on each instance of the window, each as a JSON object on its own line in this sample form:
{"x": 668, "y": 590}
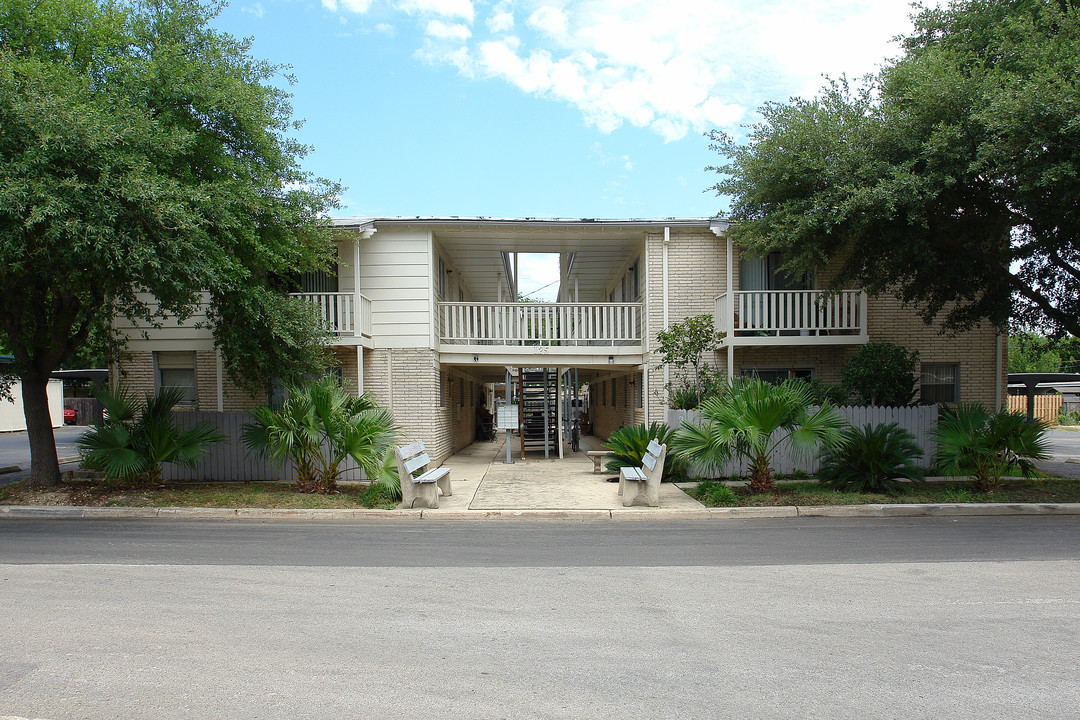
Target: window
{"x": 603, "y": 394}
{"x": 614, "y": 397}
{"x": 640, "y": 390}
{"x": 777, "y": 376}
{"x": 176, "y": 370}
{"x": 442, "y": 389}
{"x": 461, "y": 391}
{"x": 940, "y": 383}
{"x": 442, "y": 277}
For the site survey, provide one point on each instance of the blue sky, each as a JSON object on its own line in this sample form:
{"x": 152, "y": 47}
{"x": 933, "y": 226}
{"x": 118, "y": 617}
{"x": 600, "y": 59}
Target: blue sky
{"x": 546, "y": 108}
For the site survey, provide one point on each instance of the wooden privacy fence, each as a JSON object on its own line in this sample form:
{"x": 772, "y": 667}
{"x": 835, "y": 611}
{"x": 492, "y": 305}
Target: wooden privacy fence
{"x": 1047, "y": 407}
{"x": 230, "y": 460}
{"x": 919, "y": 420}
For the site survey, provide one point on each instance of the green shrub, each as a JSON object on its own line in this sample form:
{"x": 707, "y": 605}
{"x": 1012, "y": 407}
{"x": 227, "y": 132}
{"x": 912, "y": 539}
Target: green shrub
{"x": 823, "y": 392}
{"x": 138, "y": 435}
{"x": 715, "y": 494}
{"x": 873, "y": 458}
{"x": 749, "y": 421}
{"x": 628, "y": 444}
{"x": 973, "y": 441}
{"x": 684, "y": 397}
{"x": 881, "y": 374}
{"x": 1069, "y": 418}
{"x": 317, "y": 428}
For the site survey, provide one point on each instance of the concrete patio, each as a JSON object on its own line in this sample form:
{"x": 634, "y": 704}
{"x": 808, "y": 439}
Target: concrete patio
{"x": 483, "y": 481}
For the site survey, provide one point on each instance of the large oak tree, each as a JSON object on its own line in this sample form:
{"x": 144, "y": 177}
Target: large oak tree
{"x": 145, "y": 159}
{"x": 951, "y": 177}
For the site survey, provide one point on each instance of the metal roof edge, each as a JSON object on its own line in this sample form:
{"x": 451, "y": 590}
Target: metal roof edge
{"x": 366, "y": 223}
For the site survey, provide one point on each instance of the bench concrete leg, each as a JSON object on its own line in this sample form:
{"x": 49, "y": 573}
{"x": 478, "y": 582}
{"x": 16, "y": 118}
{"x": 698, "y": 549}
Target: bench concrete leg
{"x": 419, "y": 495}
{"x": 444, "y": 485}
{"x": 641, "y": 494}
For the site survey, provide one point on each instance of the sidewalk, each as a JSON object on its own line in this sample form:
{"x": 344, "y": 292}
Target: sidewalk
{"x": 485, "y": 487}
{"x": 483, "y": 481}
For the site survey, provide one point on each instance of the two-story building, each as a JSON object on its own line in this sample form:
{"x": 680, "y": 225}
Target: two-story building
{"x": 425, "y": 317}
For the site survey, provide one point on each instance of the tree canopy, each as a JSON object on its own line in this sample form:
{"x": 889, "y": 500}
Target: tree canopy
{"x": 949, "y": 177}
{"x": 148, "y": 168}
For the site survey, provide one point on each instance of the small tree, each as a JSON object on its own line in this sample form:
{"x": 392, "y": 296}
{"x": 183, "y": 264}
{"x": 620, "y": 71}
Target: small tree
{"x": 683, "y": 344}
{"x": 972, "y": 440}
{"x": 750, "y": 420}
{"x": 139, "y": 435}
{"x": 317, "y": 428}
{"x": 881, "y": 374}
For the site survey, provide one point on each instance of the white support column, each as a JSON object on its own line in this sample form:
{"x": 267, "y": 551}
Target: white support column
{"x": 559, "y": 404}
{"x": 998, "y": 348}
{"x": 729, "y": 308}
{"x": 664, "y": 270}
{"x": 359, "y": 370}
{"x": 645, "y": 392}
{"x": 220, "y": 382}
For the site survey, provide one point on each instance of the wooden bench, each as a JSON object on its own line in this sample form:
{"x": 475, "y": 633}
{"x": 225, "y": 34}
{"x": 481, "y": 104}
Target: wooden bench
{"x": 641, "y": 486}
{"x": 420, "y": 487}
{"x": 597, "y": 457}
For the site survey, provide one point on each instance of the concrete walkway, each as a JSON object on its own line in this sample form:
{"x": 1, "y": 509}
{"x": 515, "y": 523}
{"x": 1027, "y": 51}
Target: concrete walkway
{"x": 483, "y": 481}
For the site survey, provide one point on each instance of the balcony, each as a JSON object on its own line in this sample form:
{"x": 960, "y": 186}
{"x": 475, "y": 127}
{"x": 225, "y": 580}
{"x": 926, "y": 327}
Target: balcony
{"x": 791, "y": 317}
{"x": 339, "y": 311}
{"x": 577, "y": 332}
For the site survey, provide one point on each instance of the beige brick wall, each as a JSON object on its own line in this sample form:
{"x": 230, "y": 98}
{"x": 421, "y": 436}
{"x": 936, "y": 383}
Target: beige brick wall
{"x": 136, "y": 372}
{"x": 606, "y": 418}
{"x": 975, "y": 350}
{"x": 697, "y": 274}
{"x": 407, "y": 382}
{"x": 696, "y": 264}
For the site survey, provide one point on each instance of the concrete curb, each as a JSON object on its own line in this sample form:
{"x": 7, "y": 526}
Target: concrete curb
{"x": 19, "y": 468}
{"x": 630, "y": 514}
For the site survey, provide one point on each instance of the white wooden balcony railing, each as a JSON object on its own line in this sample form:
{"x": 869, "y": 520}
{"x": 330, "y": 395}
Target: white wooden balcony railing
{"x": 599, "y": 324}
{"x": 754, "y": 316}
{"x": 339, "y": 310}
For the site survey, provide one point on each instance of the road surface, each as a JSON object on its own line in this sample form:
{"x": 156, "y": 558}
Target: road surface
{"x": 800, "y": 618}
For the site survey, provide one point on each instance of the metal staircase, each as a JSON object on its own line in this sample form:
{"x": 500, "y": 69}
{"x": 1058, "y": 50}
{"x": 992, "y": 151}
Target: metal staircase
{"x": 540, "y": 408}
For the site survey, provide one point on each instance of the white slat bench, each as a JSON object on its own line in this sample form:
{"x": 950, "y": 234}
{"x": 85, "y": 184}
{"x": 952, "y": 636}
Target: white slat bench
{"x": 641, "y": 486}
{"x": 420, "y": 487}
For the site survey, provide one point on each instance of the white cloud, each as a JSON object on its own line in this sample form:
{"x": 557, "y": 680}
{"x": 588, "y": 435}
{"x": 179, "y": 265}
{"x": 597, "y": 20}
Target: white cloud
{"x": 255, "y": 9}
{"x": 385, "y": 29}
{"x": 502, "y": 18}
{"x": 448, "y": 31}
{"x": 673, "y": 67}
{"x": 551, "y": 21}
{"x": 356, "y": 6}
{"x": 445, "y": 8}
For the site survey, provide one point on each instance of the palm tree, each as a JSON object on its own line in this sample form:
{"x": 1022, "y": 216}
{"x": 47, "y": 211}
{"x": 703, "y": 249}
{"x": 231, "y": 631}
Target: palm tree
{"x": 973, "y": 441}
{"x": 750, "y": 420}
{"x": 628, "y": 444}
{"x": 317, "y": 428}
{"x": 137, "y": 436}
{"x": 872, "y": 458}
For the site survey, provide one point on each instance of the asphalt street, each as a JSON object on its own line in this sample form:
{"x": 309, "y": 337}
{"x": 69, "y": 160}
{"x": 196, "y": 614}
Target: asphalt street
{"x": 15, "y": 448}
{"x": 802, "y": 618}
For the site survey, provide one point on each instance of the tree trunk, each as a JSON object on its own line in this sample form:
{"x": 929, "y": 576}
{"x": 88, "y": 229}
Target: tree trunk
{"x": 44, "y": 467}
